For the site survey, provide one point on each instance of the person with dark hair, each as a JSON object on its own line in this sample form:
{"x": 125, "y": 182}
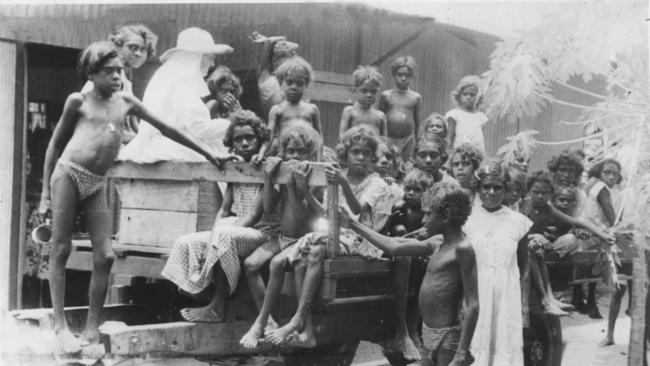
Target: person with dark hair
{"x": 225, "y": 91}
{"x": 367, "y": 81}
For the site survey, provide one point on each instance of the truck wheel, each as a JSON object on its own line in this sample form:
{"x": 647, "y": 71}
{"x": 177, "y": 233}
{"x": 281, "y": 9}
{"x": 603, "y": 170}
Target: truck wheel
{"x": 337, "y": 354}
{"x": 543, "y": 341}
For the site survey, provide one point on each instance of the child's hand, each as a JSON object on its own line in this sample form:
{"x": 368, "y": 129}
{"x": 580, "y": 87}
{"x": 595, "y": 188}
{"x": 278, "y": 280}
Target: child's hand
{"x": 389, "y": 180}
{"x": 345, "y": 217}
{"x": 218, "y": 160}
{"x": 44, "y": 206}
{"x": 608, "y": 237}
{"x": 272, "y": 166}
{"x": 334, "y": 174}
{"x": 231, "y": 103}
{"x": 301, "y": 175}
{"x": 257, "y": 159}
{"x": 537, "y": 241}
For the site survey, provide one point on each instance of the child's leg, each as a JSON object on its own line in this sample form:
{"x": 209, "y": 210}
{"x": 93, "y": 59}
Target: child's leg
{"x": 276, "y": 276}
{"x": 64, "y": 209}
{"x": 400, "y": 279}
{"x": 254, "y": 263}
{"x": 592, "y": 306}
{"x": 98, "y": 223}
{"x": 215, "y": 311}
{"x": 614, "y": 308}
{"x": 540, "y": 286}
{"x": 546, "y": 279}
{"x": 313, "y": 276}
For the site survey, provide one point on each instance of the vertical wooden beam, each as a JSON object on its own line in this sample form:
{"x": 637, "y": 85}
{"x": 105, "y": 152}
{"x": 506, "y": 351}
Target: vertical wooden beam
{"x": 19, "y": 211}
{"x": 333, "y": 219}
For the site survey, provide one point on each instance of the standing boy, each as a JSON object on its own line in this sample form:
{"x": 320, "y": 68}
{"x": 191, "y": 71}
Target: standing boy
{"x": 367, "y": 81}
{"x": 450, "y": 280}
{"x": 402, "y": 107}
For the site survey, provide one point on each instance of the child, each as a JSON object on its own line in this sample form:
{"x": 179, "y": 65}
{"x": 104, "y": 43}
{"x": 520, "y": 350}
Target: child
{"x": 239, "y": 228}
{"x": 429, "y": 156}
{"x": 294, "y": 76}
{"x": 225, "y": 90}
{"x": 544, "y": 215}
{"x": 465, "y": 159}
{"x": 450, "y": 280}
{"x": 434, "y": 125}
{"x": 367, "y": 81}
{"x": 298, "y": 144}
{"x": 388, "y": 166}
{"x": 402, "y": 107}
{"x": 363, "y": 193}
{"x": 275, "y": 51}
{"x": 516, "y": 190}
{"x": 407, "y": 217}
{"x": 465, "y": 122}
{"x": 87, "y": 138}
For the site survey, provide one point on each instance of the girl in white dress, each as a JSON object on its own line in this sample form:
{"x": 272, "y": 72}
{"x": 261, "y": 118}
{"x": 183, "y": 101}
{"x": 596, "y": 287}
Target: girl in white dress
{"x": 465, "y": 122}
{"x": 498, "y": 235}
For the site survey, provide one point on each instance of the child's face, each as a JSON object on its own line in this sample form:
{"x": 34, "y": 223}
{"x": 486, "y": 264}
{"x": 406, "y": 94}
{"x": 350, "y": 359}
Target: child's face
{"x": 492, "y": 191}
{"x": 133, "y": 51}
{"x": 513, "y": 193}
{"x": 360, "y": 157}
{"x": 566, "y": 174}
{"x": 610, "y": 174}
{"x": 540, "y": 194}
{"x": 293, "y": 88}
{"x": 367, "y": 93}
{"x": 433, "y": 221}
{"x": 403, "y": 77}
{"x": 108, "y": 78}
{"x": 226, "y": 89}
{"x": 385, "y": 161}
{"x": 296, "y": 150}
{"x": 435, "y": 127}
{"x": 245, "y": 142}
{"x": 462, "y": 169}
{"x": 467, "y": 97}
{"x": 412, "y": 194}
{"x": 521, "y": 164}
{"x": 428, "y": 158}
{"x": 565, "y": 201}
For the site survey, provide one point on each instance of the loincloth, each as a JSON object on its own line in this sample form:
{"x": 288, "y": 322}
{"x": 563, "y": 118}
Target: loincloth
{"x": 436, "y": 340}
{"x": 87, "y": 182}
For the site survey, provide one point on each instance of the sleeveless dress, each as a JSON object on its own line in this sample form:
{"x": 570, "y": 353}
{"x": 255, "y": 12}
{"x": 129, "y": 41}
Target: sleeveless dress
{"x": 498, "y": 339}
{"x": 469, "y": 127}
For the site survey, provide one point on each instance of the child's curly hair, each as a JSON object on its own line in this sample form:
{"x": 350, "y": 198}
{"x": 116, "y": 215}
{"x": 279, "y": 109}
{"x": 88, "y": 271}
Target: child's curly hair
{"x": 448, "y": 200}
{"x": 94, "y": 57}
{"x": 366, "y": 73}
{"x": 118, "y": 37}
{"x": 295, "y": 67}
{"x": 566, "y": 157}
{"x": 572, "y": 190}
{"x": 356, "y": 134}
{"x": 220, "y": 76}
{"x": 440, "y": 143}
{"x": 303, "y": 132}
{"x": 397, "y": 161}
{"x": 469, "y": 80}
{"x": 539, "y": 177}
{"x": 245, "y": 117}
{"x": 403, "y": 61}
{"x": 470, "y": 153}
{"x": 432, "y": 118}
{"x": 492, "y": 168}
{"x": 597, "y": 169}
{"x": 419, "y": 178}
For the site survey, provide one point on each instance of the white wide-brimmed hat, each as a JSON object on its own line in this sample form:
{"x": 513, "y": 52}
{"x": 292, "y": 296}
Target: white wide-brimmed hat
{"x": 196, "y": 40}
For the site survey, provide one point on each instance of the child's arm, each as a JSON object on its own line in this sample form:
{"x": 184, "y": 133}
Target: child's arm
{"x": 579, "y": 223}
{"x": 298, "y": 191}
{"x": 301, "y": 177}
{"x": 604, "y": 199}
{"x": 522, "y": 256}
{"x": 317, "y": 126}
{"x": 253, "y": 217}
{"x": 335, "y": 175}
{"x": 274, "y": 114}
{"x": 270, "y": 195}
{"x": 224, "y": 210}
{"x": 345, "y": 120}
{"x": 383, "y": 101}
{"x": 467, "y": 263}
{"x": 451, "y": 125}
{"x": 139, "y": 110}
{"x": 62, "y": 134}
{"x": 416, "y": 115}
{"x": 383, "y": 128}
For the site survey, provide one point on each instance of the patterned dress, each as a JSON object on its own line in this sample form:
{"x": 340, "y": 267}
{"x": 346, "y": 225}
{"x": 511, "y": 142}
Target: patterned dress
{"x": 194, "y": 255}
{"x": 498, "y": 339}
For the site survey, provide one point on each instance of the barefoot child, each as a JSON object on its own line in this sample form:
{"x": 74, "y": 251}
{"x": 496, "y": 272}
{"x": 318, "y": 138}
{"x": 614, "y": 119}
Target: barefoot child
{"x": 87, "y": 138}
{"x": 297, "y": 145}
{"x": 450, "y": 279}
{"x": 294, "y": 76}
{"x": 367, "y": 81}
{"x": 240, "y": 227}
{"x": 402, "y": 106}
{"x": 466, "y": 122}
{"x": 544, "y": 215}
{"x": 225, "y": 90}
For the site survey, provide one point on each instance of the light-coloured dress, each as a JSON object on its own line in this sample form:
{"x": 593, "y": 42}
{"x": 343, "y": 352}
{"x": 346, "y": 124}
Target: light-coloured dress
{"x": 469, "y": 127}
{"x": 498, "y": 339}
{"x": 194, "y": 255}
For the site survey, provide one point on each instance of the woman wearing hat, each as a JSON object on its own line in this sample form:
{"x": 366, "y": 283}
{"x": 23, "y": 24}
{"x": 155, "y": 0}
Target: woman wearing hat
{"x": 175, "y": 92}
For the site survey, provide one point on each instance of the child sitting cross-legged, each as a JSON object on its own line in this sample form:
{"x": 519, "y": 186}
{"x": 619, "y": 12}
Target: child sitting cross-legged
{"x": 451, "y": 277}
{"x": 297, "y": 216}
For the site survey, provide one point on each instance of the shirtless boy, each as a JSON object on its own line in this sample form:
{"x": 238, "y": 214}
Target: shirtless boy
{"x": 87, "y": 138}
{"x": 450, "y": 279}
{"x": 367, "y": 81}
{"x": 294, "y": 76}
{"x": 402, "y": 107}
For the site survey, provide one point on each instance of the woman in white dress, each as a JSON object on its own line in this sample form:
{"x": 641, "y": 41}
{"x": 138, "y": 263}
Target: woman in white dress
{"x": 498, "y": 235}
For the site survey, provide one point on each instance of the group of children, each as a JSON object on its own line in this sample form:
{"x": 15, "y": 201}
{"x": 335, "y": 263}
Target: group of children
{"x": 405, "y": 189}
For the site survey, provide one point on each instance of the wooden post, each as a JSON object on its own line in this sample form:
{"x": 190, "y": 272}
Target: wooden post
{"x": 333, "y": 220}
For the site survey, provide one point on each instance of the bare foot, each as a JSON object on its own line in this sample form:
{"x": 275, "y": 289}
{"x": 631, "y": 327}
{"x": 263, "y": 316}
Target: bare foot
{"x": 593, "y": 312}
{"x": 279, "y": 335}
{"x": 253, "y": 337}
{"x": 608, "y": 341}
{"x": 554, "y": 310}
{"x": 271, "y": 325}
{"x": 301, "y": 340}
{"x": 90, "y": 336}
{"x": 67, "y": 343}
{"x": 405, "y": 346}
{"x": 94, "y": 351}
{"x": 202, "y": 315}
{"x": 562, "y": 305}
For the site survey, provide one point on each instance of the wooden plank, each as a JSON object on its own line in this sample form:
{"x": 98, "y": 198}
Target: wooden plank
{"x": 155, "y": 228}
{"x": 333, "y": 220}
{"x": 85, "y": 243}
{"x": 172, "y": 195}
{"x": 209, "y": 201}
{"x": 329, "y": 93}
{"x": 233, "y": 172}
{"x": 131, "y": 265}
{"x": 328, "y": 77}
{"x": 355, "y": 267}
